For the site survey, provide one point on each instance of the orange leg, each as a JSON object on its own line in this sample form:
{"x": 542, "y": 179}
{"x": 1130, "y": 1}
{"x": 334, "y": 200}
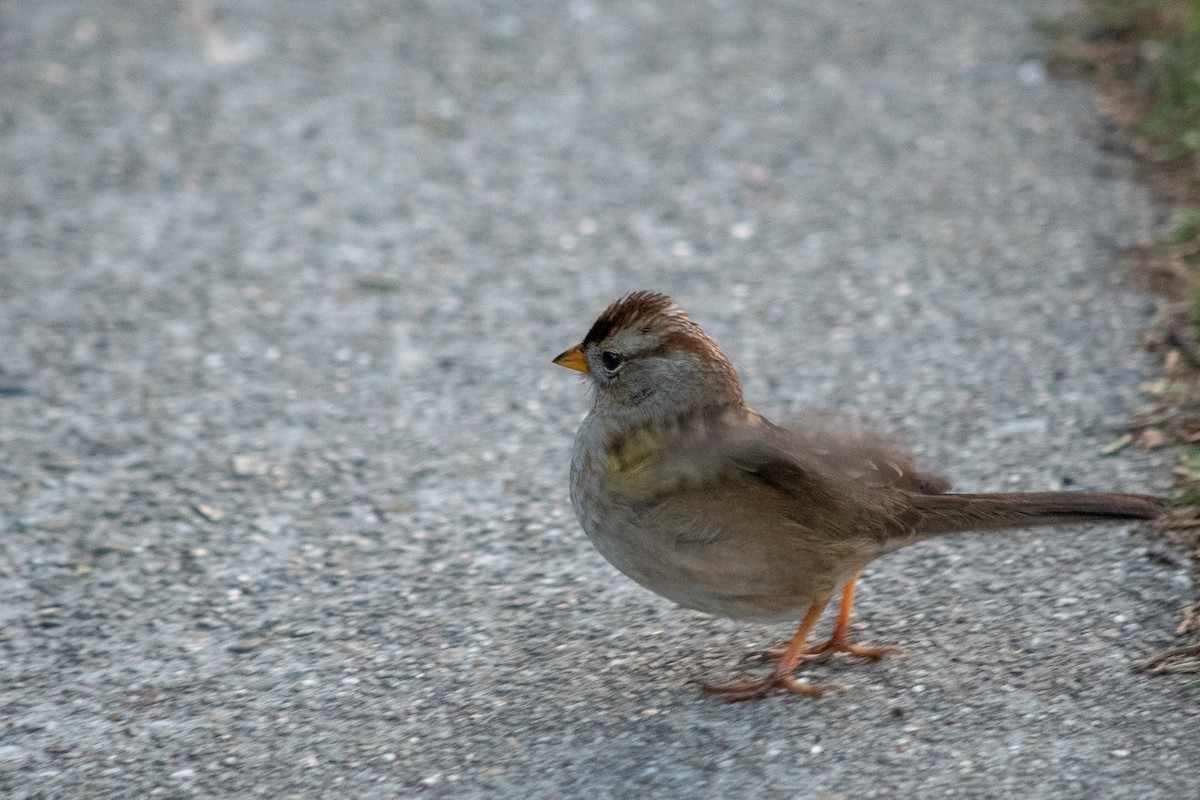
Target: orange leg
{"x": 839, "y": 642}
{"x": 781, "y": 677}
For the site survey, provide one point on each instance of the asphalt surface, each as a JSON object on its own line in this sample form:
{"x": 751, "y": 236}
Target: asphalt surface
{"x": 283, "y": 489}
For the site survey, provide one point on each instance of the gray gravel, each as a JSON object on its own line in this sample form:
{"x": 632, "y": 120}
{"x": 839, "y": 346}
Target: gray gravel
{"x": 283, "y": 489}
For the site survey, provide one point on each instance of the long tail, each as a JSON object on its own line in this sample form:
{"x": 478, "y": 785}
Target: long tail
{"x": 950, "y": 513}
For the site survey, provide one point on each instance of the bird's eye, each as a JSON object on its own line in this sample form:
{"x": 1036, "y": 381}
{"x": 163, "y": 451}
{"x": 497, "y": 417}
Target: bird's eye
{"x": 611, "y": 361}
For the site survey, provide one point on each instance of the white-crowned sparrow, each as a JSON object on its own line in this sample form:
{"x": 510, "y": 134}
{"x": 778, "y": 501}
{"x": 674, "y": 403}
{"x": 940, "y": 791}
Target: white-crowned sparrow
{"x": 700, "y": 499}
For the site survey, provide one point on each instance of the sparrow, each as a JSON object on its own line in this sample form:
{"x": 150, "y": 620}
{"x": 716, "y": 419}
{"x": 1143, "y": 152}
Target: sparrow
{"x": 692, "y": 494}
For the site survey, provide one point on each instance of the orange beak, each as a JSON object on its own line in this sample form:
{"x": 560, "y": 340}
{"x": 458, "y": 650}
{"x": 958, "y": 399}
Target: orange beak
{"x": 573, "y": 359}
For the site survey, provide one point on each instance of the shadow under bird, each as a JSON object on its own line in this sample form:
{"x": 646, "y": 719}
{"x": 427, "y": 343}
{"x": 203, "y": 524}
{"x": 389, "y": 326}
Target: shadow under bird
{"x": 695, "y": 496}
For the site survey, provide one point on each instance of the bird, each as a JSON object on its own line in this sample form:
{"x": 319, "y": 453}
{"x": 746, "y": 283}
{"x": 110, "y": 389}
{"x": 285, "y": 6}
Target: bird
{"x": 684, "y": 488}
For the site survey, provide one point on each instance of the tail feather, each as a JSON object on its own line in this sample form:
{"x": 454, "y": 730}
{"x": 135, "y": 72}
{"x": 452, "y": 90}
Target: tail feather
{"x": 950, "y": 513}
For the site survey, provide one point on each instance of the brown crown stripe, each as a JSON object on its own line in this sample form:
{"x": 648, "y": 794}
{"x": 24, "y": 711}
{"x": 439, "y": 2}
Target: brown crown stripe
{"x": 695, "y": 342}
{"x": 629, "y": 310}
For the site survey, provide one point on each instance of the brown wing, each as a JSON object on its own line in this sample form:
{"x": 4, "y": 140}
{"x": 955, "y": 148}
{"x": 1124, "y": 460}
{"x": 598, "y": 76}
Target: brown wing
{"x": 870, "y": 459}
{"x": 830, "y": 482}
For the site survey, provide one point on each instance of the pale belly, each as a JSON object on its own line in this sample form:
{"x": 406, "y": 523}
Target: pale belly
{"x": 701, "y": 566}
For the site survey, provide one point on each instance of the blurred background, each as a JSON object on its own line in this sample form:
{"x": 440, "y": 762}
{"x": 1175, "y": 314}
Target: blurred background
{"x": 283, "y": 494}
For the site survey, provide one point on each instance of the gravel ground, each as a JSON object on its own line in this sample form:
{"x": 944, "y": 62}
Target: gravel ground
{"x": 284, "y": 481}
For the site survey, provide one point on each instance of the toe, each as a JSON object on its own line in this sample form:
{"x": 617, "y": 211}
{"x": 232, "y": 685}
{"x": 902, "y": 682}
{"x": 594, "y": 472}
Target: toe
{"x": 844, "y": 646}
{"x": 758, "y": 689}
{"x": 873, "y": 653}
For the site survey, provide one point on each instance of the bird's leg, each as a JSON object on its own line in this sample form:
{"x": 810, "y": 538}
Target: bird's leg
{"x": 839, "y": 642}
{"x": 781, "y": 677}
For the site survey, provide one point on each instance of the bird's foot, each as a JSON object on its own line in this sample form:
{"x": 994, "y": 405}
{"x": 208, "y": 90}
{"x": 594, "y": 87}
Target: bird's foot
{"x": 821, "y": 653}
{"x": 758, "y": 689}
{"x": 840, "y": 644}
